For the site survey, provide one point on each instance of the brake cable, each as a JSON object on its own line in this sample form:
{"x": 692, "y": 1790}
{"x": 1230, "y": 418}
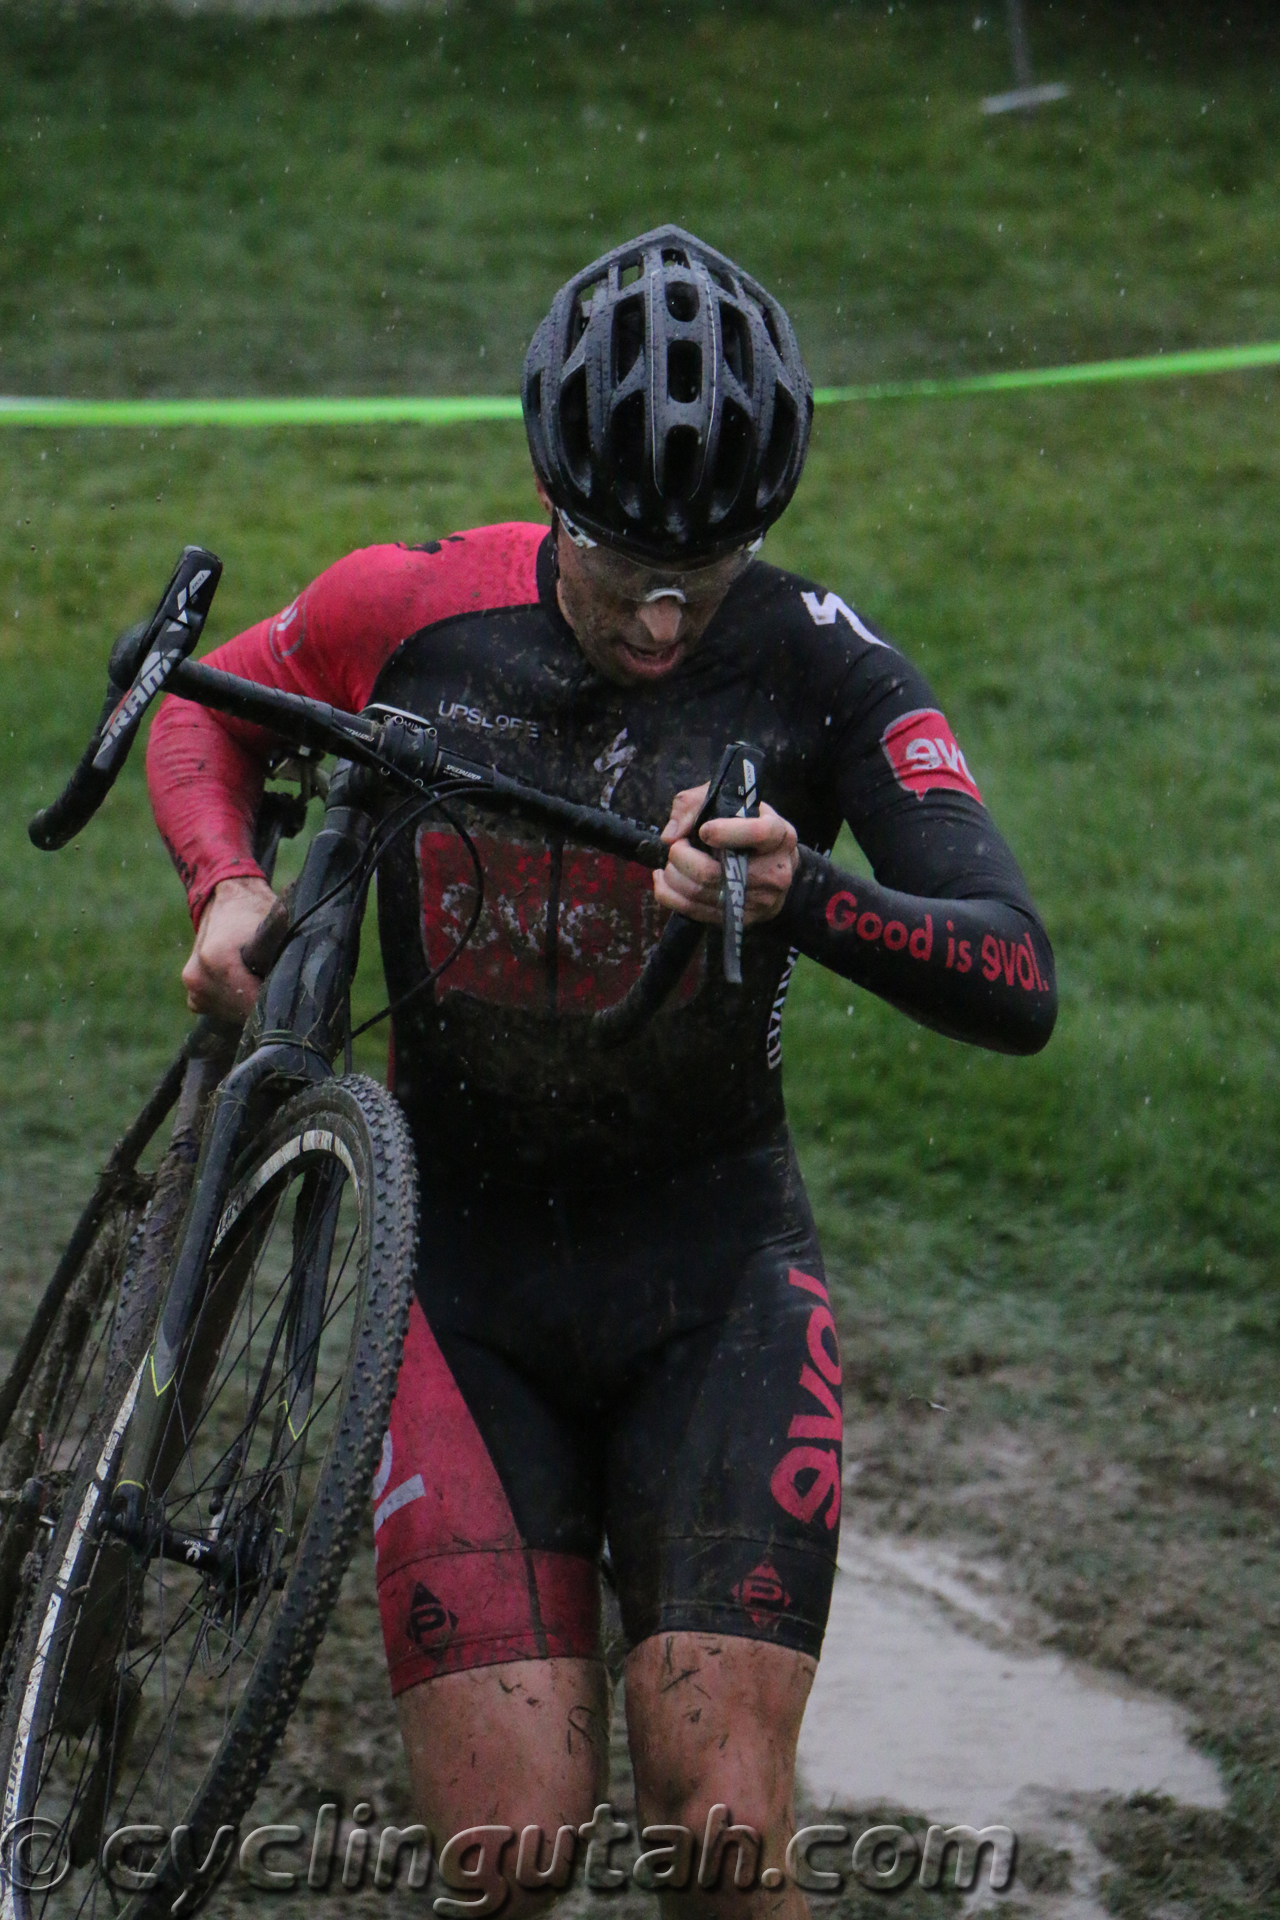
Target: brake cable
{"x": 430, "y": 978}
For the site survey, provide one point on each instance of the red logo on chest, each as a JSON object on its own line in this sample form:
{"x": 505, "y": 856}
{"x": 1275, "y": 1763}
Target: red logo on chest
{"x": 606, "y": 920}
{"x": 924, "y": 753}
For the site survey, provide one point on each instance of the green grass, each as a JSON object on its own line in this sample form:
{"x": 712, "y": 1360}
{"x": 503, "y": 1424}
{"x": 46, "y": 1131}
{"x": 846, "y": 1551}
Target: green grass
{"x": 369, "y": 203}
{"x": 1075, "y": 1254}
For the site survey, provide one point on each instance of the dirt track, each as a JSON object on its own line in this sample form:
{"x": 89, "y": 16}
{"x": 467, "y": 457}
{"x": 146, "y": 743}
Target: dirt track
{"x": 1030, "y": 1541}
{"x": 908, "y": 1723}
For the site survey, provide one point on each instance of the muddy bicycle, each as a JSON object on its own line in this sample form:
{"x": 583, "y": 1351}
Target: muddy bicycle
{"x": 192, "y": 1423}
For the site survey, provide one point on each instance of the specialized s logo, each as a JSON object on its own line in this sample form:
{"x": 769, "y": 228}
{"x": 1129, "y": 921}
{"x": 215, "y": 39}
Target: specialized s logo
{"x": 611, "y": 764}
{"x": 825, "y": 611}
{"x": 924, "y": 753}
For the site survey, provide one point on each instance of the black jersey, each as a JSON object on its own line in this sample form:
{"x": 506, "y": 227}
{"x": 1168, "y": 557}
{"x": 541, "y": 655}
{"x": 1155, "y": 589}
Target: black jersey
{"x": 496, "y": 1065}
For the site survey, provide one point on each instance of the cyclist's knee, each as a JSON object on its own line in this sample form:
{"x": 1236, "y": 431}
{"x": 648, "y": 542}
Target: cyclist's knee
{"x": 511, "y": 1746}
{"x": 713, "y": 1722}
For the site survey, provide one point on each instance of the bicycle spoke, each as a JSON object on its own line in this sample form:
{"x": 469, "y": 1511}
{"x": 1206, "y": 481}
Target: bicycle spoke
{"x": 230, "y": 1363}
{"x": 247, "y": 1426}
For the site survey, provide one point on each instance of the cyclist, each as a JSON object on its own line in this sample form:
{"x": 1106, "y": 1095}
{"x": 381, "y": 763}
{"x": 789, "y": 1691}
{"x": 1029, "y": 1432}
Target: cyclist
{"x": 623, "y": 1329}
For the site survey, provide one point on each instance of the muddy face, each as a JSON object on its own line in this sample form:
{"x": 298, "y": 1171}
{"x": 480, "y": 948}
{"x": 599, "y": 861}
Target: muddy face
{"x": 637, "y": 623}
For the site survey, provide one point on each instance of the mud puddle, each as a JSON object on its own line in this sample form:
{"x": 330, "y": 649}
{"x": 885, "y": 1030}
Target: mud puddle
{"x": 932, "y": 1696}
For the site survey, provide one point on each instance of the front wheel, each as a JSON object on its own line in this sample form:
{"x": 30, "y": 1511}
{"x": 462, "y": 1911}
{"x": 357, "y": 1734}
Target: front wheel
{"x": 59, "y": 1397}
{"x": 178, "y": 1618}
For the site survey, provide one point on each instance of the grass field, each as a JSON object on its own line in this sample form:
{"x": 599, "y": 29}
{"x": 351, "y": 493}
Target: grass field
{"x": 1076, "y": 1254}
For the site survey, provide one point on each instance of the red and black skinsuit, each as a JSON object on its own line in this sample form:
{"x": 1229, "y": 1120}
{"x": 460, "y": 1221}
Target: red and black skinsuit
{"x": 626, "y": 1326}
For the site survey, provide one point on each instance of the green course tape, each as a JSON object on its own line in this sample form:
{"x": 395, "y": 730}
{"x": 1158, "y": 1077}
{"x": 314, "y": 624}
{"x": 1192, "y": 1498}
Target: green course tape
{"x": 255, "y": 413}
{"x": 447, "y": 412}
{"x": 1154, "y": 366}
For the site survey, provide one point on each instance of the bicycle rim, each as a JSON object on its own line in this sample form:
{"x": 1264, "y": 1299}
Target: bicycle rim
{"x": 161, "y": 1668}
{"x": 61, "y": 1401}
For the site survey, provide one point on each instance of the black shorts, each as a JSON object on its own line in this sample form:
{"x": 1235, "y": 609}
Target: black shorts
{"x": 653, "y": 1364}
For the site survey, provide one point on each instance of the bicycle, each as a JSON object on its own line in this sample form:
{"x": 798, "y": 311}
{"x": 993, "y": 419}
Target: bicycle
{"x": 208, "y": 1379}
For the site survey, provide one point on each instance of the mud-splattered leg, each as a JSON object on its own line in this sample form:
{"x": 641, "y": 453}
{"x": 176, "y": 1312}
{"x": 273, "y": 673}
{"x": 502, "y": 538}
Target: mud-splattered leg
{"x": 714, "y": 1722}
{"x": 517, "y": 1745}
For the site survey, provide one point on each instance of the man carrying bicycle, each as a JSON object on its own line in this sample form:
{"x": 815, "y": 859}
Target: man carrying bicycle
{"x": 623, "y": 1331}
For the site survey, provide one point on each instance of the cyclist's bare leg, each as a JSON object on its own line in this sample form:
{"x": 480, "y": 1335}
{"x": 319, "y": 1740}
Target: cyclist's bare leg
{"x": 523, "y": 1744}
{"x": 715, "y": 1720}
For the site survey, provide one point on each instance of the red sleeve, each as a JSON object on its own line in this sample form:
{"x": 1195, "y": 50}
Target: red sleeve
{"x": 205, "y": 771}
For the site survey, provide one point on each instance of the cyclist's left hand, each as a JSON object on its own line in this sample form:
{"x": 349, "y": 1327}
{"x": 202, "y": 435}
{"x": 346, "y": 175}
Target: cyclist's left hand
{"x": 690, "y": 881}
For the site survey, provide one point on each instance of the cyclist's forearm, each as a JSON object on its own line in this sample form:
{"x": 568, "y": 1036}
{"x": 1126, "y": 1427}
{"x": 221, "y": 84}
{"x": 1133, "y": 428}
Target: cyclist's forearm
{"x": 978, "y": 970}
{"x": 205, "y": 785}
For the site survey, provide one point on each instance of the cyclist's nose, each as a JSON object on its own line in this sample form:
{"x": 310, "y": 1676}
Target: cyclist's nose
{"x": 661, "y": 620}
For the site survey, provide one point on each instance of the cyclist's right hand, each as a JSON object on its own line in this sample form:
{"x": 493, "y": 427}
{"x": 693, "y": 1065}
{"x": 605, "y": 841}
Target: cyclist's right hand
{"x": 215, "y": 977}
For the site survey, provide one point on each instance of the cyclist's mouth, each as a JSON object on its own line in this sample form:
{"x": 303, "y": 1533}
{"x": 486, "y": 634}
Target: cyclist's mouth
{"x": 650, "y": 663}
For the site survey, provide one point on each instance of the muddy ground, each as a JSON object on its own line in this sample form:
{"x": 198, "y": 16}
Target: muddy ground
{"x": 1165, "y": 1582}
{"x": 1108, "y": 1541}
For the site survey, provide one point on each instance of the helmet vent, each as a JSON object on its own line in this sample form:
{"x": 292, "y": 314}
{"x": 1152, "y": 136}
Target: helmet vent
{"x": 772, "y": 326}
{"x": 628, "y": 335}
{"x": 573, "y": 429}
{"x": 578, "y": 321}
{"x": 682, "y": 463}
{"x": 732, "y": 456}
{"x": 736, "y": 335}
{"x": 777, "y": 454}
{"x": 628, "y": 446}
{"x": 629, "y": 274}
{"x": 682, "y": 300}
{"x": 684, "y": 372}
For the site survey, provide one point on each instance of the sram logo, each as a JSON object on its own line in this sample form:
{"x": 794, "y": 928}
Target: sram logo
{"x": 924, "y": 753}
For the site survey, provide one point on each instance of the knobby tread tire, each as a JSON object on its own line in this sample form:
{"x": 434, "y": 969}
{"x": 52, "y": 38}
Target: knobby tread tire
{"x": 363, "y": 1112}
{"x": 341, "y": 1500}
{"x": 128, "y": 1258}
{"x": 48, "y": 1381}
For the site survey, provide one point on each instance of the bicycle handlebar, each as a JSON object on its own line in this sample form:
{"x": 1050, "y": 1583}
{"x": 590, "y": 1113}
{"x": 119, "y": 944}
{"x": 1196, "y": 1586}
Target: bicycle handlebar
{"x": 403, "y": 747}
{"x": 83, "y": 794}
{"x": 399, "y": 746}
{"x": 142, "y": 661}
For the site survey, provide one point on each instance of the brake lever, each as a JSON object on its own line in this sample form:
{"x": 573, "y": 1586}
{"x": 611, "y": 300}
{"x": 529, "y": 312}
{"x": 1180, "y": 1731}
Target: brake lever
{"x": 734, "y": 794}
{"x": 171, "y": 634}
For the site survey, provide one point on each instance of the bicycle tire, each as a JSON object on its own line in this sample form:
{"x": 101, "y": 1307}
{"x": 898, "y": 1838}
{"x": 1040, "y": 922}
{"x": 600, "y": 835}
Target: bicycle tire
{"x": 93, "y": 1324}
{"x": 117, "y": 1182}
{"x": 122, "y": 1716}
{"x": 58, "y": 1400}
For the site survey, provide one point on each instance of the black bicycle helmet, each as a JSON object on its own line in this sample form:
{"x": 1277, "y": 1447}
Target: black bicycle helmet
{"x": 666, "y": 403}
